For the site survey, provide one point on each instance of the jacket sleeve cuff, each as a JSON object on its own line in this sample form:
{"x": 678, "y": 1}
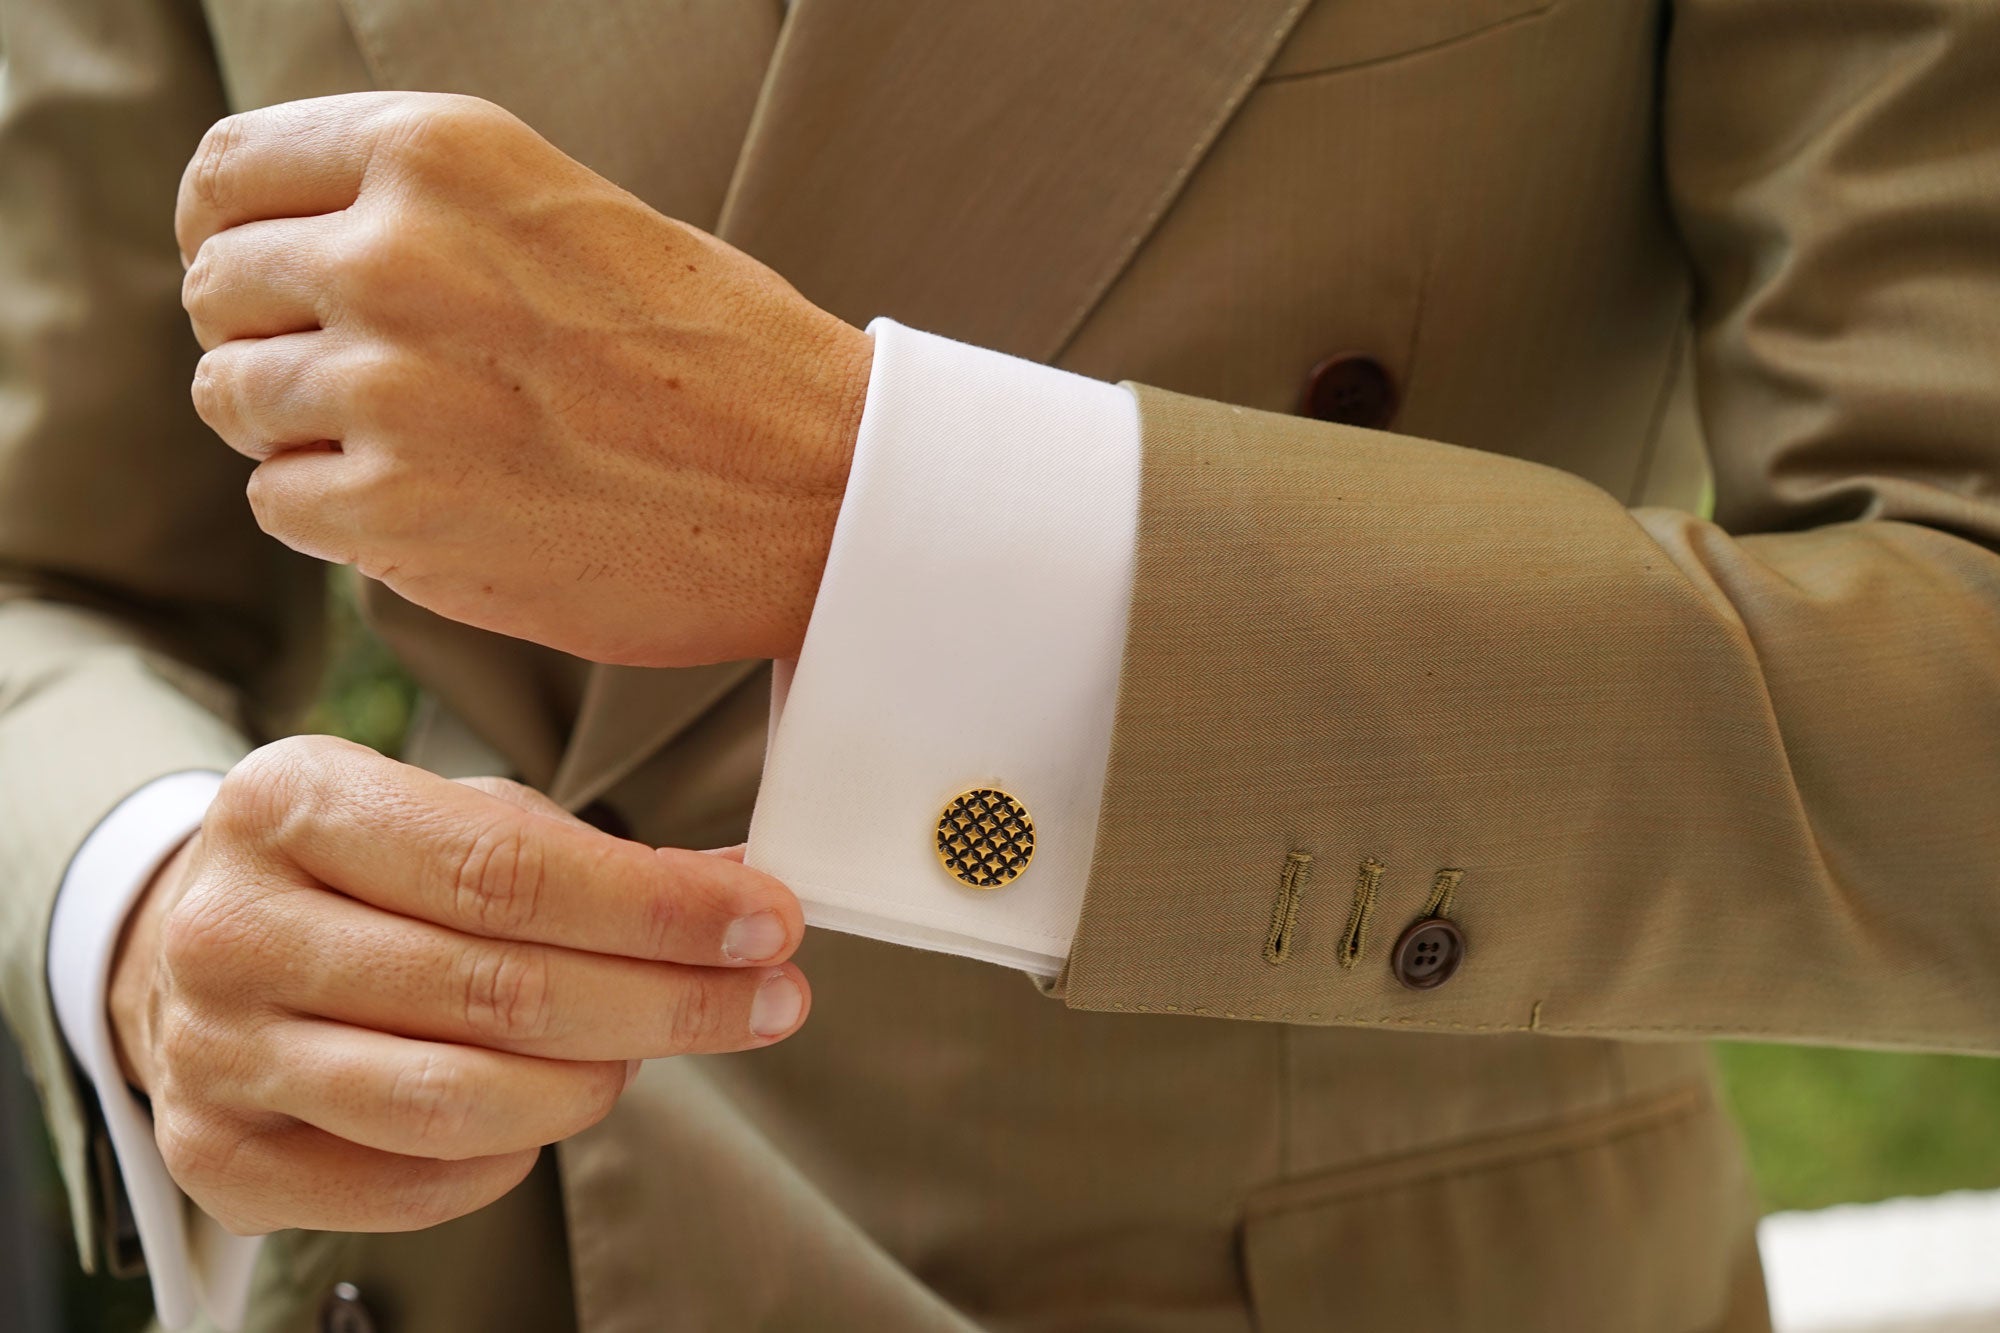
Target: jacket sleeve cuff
{"x": 194, "y": 1264}
{"x": 968, "y": 634}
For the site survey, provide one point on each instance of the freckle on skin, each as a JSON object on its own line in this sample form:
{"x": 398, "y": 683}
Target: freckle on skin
{"x": 486, "y": 588}
{"x": 673, "y": 381}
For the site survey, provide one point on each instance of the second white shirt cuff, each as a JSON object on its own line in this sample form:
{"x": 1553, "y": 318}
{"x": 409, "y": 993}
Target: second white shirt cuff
{"x": 194, "y": 1264}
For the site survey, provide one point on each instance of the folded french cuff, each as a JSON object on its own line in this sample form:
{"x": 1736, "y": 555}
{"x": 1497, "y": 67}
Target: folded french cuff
{"x": 967, "y": 636}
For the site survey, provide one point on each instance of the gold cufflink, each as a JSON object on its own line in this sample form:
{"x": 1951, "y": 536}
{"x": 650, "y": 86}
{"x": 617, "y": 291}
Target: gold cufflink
{"x": 985, "y": 838}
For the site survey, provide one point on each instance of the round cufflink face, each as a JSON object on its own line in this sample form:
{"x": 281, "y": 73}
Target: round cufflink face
{"x": 985, "y": 838}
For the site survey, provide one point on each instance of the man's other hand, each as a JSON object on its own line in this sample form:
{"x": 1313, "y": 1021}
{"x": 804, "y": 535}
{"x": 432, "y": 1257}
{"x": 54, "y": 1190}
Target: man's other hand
{"x": 483, "y": 374}
{"x": 363, "y": 997}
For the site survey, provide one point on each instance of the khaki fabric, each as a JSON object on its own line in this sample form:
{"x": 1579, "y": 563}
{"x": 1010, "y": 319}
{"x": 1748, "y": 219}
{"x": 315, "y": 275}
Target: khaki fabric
{"x": 1734, "y": 777}
{"x": 1739, "y": 778}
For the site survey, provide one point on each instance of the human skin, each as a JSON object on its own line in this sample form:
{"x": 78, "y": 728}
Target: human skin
{"x": 362, "y": 998}
{"x": 486, "y": 376}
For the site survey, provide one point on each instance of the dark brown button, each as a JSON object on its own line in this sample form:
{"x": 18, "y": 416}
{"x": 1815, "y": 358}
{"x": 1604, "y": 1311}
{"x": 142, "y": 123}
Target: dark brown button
{"x": 600, "y": 816}
{"x": 343, "y": 1311}
{"x": 1352, "y": 390}
{"x": 1429, "y": 952}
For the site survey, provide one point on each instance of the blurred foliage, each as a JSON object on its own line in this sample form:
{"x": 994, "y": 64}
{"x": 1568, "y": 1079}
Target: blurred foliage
{"x": 1828, "y": 1126}
{"x": 365, "y": 696}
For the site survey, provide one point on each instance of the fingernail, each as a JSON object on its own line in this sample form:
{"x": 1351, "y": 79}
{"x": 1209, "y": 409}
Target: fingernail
{"x": 631, "y": 1072}
{"x": 752, "y": 939}
{"x": 776, "y": 1008}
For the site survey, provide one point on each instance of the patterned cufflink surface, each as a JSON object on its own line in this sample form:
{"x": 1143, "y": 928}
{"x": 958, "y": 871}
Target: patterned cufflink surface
{"x": 985, "y": 838}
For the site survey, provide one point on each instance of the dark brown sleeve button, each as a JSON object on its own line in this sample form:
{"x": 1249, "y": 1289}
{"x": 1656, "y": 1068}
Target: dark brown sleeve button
{"x": 343, "y": 1311}
{"x": 1428, "y": 953}
{"x": 1350, "y": 390}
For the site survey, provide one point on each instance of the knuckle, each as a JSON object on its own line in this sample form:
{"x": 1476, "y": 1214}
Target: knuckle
{"x": 431, "y": 1098}
{"x": 184, "y": 1152}
{"x": 498, "y": 880}
{"x": 181, "y": 1053}
{"x": 506, "y": 992}
{"x": 197, "y": 1150}
{"x": 375, "y": 387}
{"x": 200, "y": 284}
{"x": 309, "y": 515}
{"x": 305, "y": 518}
{"x": 278, "y": 792}
{"x": 266, "y": 501}
{"x": 257, "y": 793}
{"x": 372, "y": 258}
{"x": 269, "y": 790}
{"x": 209, "y": 1157}
{"x": 210, "y": 159}
{"x": 435, "y": 130}
{"x": 215, "y": 393}
{"x": 208, "y": 932}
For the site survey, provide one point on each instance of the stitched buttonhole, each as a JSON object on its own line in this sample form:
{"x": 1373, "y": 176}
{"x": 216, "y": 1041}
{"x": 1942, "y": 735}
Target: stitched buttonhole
{"x": 1285, "y": 910}
{"x": 1443, "y": 889}
{"x": 1356, "y": 935}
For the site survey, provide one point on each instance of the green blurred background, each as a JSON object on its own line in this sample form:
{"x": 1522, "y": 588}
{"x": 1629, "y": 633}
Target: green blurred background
{"x": 1824, "y": 1126}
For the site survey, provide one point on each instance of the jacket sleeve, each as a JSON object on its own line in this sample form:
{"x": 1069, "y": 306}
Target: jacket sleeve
{"x": 1738, "y": 777}
{"x": 145, "y": 625}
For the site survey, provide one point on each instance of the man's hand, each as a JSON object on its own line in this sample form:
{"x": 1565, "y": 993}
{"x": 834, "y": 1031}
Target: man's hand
{"x": 364, "y": 997}
{"x": 487, "y": 376}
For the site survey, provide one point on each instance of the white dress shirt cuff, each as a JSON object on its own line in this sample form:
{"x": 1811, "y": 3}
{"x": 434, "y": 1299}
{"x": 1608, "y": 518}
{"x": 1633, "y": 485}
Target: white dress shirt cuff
{"x": 194, "y": 1264}
{"x": 968, "y": 633}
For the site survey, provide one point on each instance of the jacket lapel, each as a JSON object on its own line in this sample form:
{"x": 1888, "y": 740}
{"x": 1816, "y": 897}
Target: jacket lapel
{"x": 653, "y": 94}
{"x": 984, "y": 170}
{"x": 981, "y": 169}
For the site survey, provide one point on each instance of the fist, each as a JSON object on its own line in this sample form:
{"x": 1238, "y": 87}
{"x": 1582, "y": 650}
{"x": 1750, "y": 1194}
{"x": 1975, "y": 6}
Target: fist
{"x": 483, "y": 374}
{"x": 364, "y": 997}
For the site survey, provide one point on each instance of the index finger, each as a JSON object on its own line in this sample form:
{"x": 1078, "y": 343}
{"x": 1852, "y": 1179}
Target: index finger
{"x": 410, "y": 842}
{"x": 295, "y": 159}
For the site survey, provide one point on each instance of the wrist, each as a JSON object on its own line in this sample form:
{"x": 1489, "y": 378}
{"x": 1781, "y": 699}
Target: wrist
{"x": 831, "y": 427}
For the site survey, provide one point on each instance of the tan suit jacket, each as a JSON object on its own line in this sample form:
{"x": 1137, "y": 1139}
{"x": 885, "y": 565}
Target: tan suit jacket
{"x": 1731, "y": 778}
